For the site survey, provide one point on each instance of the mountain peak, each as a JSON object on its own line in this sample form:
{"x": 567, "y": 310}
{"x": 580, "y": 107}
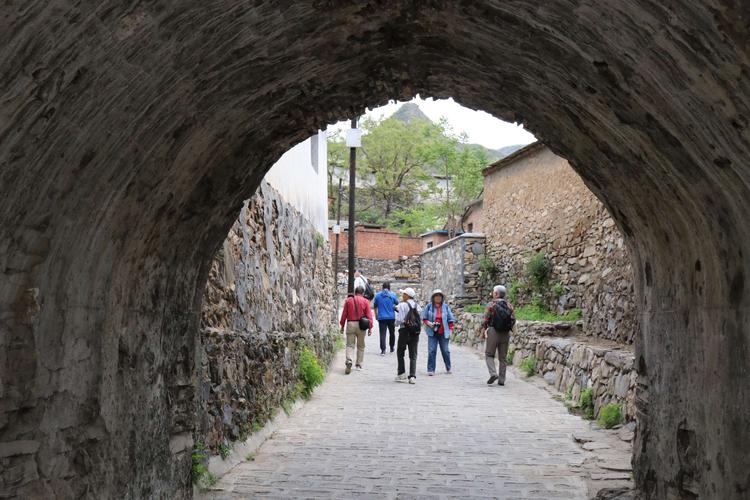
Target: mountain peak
{"x": 409, "y": 112}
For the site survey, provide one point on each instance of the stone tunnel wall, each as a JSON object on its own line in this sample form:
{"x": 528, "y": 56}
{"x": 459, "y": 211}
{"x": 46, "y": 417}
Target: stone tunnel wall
{"x": 537, "y": 203}
{"x": 269, "y": 294}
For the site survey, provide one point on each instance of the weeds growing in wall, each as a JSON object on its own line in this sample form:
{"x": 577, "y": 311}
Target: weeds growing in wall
{"x": 474, "y": 308}
{"x": 536, "y": 312}
{"x": 310, "y": 372}
{"x": 586, "y": 403}
{"x": 528, "y": 366}
{"x": 509, "y": 356}
{"x": 610, "y": 415}
{"x": 201, "y": 477}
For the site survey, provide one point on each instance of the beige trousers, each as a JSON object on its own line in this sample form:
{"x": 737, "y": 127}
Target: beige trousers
{"x": 355, "y": 335}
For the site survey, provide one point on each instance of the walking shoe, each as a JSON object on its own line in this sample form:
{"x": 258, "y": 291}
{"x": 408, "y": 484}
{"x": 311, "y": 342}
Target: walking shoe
{"x": 382, "y": 353}
{"x": 492, "y": 380}
{"x": 401, "y": 378}
{"x": 431, "y": 374}
{"x": 448, "y": 372}
{"x": 412, "y": 380}
{"x": 359, "y": 368}
{"x": 348, "y": 368}
{"x": 392, "y": 349}
{"x": 500, "y": 383}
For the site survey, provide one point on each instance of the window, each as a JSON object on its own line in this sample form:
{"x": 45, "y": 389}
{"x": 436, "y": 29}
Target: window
{"x": 429, "y": 244}
{"x": 471, "y": 227}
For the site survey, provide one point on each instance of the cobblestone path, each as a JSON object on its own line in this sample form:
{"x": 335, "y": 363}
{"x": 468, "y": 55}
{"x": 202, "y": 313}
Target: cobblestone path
{"x": 448, "y": 436}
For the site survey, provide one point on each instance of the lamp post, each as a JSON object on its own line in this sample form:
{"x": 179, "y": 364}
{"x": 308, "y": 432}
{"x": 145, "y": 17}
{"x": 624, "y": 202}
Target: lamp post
{"x": 353, "y": 140}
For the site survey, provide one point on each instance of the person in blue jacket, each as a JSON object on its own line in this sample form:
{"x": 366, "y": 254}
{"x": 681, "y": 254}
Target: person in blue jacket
{"x": 385, "y": 303}
{"x": 438, "y": 322}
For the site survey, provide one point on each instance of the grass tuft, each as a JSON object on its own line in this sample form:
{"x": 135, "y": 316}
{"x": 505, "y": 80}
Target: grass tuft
{"x": 610, "y": 415}
{"x": 528, "y": 366}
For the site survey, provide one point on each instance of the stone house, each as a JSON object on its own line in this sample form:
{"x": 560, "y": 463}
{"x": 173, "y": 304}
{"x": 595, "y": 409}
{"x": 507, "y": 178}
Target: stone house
{"x": 535, "y": 202}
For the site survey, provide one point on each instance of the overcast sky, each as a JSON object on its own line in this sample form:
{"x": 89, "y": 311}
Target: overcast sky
{"x": 482, "y": 128}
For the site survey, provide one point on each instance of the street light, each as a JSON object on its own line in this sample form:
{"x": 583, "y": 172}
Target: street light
{"x": 353, "y": 141}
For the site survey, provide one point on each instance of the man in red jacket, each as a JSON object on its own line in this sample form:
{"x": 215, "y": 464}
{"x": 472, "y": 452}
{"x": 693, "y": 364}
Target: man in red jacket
{"x": 356, "y": 308}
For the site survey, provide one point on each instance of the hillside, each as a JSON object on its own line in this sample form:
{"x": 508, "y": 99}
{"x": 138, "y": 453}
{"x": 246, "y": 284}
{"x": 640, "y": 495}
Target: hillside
{"x": 410, "y": 111}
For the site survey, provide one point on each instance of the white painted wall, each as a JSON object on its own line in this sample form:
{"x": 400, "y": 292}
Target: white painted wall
{"x": 300, "y": 183}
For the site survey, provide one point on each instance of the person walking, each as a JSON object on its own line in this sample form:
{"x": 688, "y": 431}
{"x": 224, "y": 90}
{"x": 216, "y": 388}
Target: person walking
{"x": 409, "y": 324}
{"x": 357, "y": 318}
{"x": 439, "y": 321}
{"x": 499, "y": 319}
{"x": 361, "y": 281}
{"x": 385, "y": 312}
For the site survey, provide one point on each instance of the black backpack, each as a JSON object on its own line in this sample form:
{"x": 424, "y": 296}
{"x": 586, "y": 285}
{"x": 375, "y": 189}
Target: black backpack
{"x": 412, "y": 322}
{"x": 502, "y": 317}
{"x": 369, "y": 292}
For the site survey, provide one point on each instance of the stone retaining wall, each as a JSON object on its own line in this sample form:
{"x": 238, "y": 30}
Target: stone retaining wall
{"x": 269, "y": 294}
{"x": 567, "y": 360}
{"x": 453, "y": 267}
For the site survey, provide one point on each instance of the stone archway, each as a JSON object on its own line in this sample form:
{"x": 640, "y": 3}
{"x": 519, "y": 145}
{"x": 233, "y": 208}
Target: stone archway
{"x": 131, "y": 135}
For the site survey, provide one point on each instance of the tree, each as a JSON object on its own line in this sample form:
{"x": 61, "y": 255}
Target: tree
{"x": 395, "y": 155}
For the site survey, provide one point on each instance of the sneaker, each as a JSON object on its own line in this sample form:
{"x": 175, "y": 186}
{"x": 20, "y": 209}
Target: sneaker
{"x": 392, "y": 349}
{"x": 412, "y": 380}
{"x": 500, "y": 383}
{"x": 448, "y": 372}
{"x": 382, "y": 353}
{"x": 348, "y": 368}
{"x": 359, "y": 368}
{"x": 431, "y": 374}
{"x": 401, "y": 378}
{"x": 492, "y": 380}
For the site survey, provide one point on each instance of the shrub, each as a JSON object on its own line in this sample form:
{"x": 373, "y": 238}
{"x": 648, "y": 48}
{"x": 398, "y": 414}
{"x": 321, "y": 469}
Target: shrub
{"x": 586, "y": 403}
{"x": 509, "y": 356}
{"x": 517, "y": 287}
{"x": 286, "y": 405}
{"x": 200, "y": 474}
{"x": 224, "y": 450}
{"x": 528, "y": 366}
{"x": 320, "y": 240}
{"x": 538, "y": 271}
{"x": 558, "y": 289}
{"x": 310, "y": 373}
{"x": 536, "y": 312}
{"x": 610, "y": 415}
{"x": 474, "y": 308}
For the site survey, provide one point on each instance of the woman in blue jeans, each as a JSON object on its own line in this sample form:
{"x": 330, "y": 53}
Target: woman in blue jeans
{"x": 438, "y": 322}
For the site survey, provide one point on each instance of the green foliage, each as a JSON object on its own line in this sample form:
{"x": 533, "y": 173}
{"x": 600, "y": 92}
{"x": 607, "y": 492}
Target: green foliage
{"x": 416, "y": 219}
{"x": 224, "y": 450}
{"x": 538, "y": 271}
{"x": 398, "y": 164}
{"x": 528, "y": 366}
{"x": 339, "y": 343}
{"x": 610, "y": 415}
{"x": 569, "y": 393}
{"x": 517, "y": 287}
{"x": 536, "y": 312}
{"x": 257, "y": 426}
{"x": 586, "y": 403}
{"x": 200, "y": 475}
{"x": 474, "y": 308}
{"x": 286, "y": 405}
{"x": 310, "y": 372}
{"x": 320, "y": 240}
{"x": 509, "y": 356}
{"x": 250, "y": 457}
{"x": 558, "y": 289}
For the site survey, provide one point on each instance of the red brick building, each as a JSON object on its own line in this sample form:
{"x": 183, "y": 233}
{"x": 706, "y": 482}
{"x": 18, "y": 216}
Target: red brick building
{"x": 376, "y": 242}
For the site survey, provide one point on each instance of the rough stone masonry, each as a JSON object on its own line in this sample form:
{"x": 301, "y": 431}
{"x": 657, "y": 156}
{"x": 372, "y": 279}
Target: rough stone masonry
{"x": 132, "y": 132}
{"x": 270, "y": 293}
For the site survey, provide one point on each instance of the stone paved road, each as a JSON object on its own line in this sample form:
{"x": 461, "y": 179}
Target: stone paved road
{"x": 449, "y": 436}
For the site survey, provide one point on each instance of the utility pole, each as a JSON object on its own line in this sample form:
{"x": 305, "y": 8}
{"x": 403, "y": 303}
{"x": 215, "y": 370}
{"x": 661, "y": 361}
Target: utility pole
{"x": 336, "y": 251}
{"x": 352, "y": 189}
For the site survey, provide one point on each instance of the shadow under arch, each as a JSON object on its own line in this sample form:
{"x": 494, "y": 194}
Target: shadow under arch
{"x": 131, "y": 135}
